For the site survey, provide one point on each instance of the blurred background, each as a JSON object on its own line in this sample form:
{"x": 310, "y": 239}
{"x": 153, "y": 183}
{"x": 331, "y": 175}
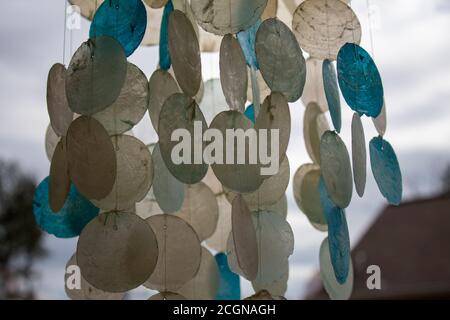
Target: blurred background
{"x": 411, "y": 243}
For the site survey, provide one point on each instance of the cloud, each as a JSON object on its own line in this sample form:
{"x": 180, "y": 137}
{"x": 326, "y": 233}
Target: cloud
{"x": 410, "y": 49}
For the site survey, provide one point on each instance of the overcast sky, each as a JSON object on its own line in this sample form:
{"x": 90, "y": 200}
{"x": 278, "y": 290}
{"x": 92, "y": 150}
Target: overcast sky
{"x": 411, "y": 49}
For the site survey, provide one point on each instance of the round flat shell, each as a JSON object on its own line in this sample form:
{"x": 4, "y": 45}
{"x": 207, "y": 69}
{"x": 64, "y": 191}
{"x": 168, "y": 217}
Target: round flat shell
{"x": 96, "y": 75}
{"x": 386, "y": 170}
{"x": 130, "y": 106}
{"x": 117, "y": 252}
{"x": 360, "y": 81}
{"x": 244, "y": 177}
{"x": 322, "y": 27}
{"x": 315, "y": 124}
{"x": 332, "y": 93}
{"x": 270, "y": 192}
{"x": 280, "y": 207}
{"x": 205, "y": 284}
{"x": 161, "y": 86}
{"x": 336, "y": 169}
{"x": 58, "y": 108}
{"x": 185, "y": 53}
{"x": 232, "y": 258}
{"x": 275, "y": 244}
{"x": 59, "y": 184}
{"x": 307, "y": 195}
{"x": 335, "y": 290}
{"x": 179, "y": 253}
{"x": 179, "y": 114}
{"x": 51, "y": 141}
{"x": 339, "y": 242}
{"x": 86, "y": 291}
{"x": 275, "y": 115}
{"x": 169, "y": 192}
{"x": 227, "y": 16}
{"x": 165, "y": 60}
{"x": 280, "y": 59}
{"x": 359, "y": 155}
{"x": 274, "y": 286}
{"x": 200, "y": 209}
{"x": 124, "y": 21}
{"x": 70, "y": 220}
{"x": 338, "y": 235}
{"x": 134, "y": 175}
{"x": 233, "y": 73}
{"x": 91, "y": 158}
{"x": 244, "y": 237}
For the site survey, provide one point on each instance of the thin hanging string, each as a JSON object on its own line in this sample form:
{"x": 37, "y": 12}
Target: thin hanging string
{"x": 64, "y": 33}
{"x": 212, "y": 66}
{"x": 96, "y": 7}
{"x": 116, "y": 143}
{"x": 71, "y": 42}
{"x": 115, "y": 129}
{"x": 92, "y": 47}
{"x": 165, "y": 252}
{"x": 353, "y": 34}
{"x": 351, "y": 19}
{"x": 116, "y": 137}
{"x": 231, "y": 18}
{"x": 370, "y": 28}
{"x": 190, "y": 222}
{"x": 317, "y": 89}
{"x": 259, "y": 245}
{"x": 328, "y": 27}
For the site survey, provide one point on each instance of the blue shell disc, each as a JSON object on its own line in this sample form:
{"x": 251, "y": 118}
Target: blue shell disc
{"x": 360, "y": 80}
{"x": 339, "y": 240}
{"x": 325, "y": 200}
{"x": 164, "y": 54}
{"x": 229, "y": 286}
{"x": 338, "y": 235}
{"x": 124, "y": 20}
{"x": 386, "y": 170}
{"x": 330, "y": 85}
{"x": 76, "y": 213}
{"x": 247, "y": 39}
{"x": 250, "y": 113}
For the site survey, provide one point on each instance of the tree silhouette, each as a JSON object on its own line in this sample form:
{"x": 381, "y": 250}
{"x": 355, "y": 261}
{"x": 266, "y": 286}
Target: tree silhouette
{"x": 20, "y": 238}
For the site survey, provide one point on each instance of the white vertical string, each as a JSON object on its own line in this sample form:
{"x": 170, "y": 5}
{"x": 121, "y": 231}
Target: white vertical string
{"x": 64, "y": 34}
{"x": 369, "y": 17}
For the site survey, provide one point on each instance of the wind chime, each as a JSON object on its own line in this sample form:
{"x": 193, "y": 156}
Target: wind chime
{"x": 143, "y": 219}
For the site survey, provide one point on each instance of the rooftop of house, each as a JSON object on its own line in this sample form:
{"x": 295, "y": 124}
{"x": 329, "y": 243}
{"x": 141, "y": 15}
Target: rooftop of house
{"x": 411, "y": 245}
